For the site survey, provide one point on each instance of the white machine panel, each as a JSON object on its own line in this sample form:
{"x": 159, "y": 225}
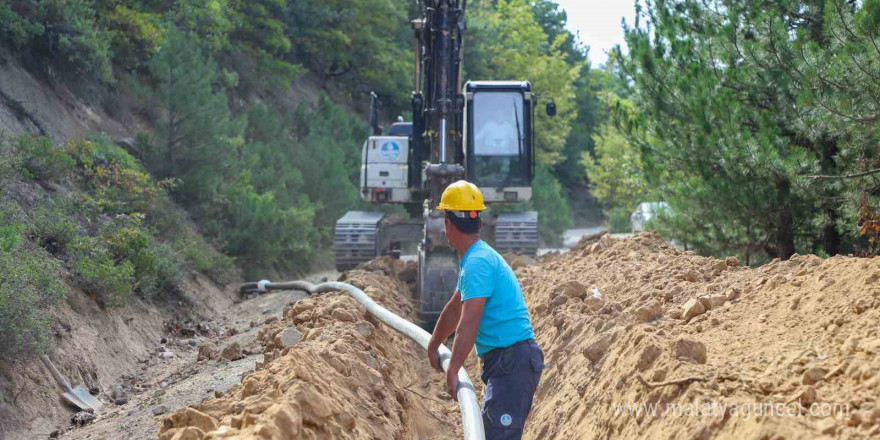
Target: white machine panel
{"x": 384, "y": 173}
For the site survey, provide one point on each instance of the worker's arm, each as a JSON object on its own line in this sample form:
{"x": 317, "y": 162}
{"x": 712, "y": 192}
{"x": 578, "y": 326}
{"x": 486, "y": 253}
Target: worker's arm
{"x": 444, "y": 328}
{"x": 465, "y": 335}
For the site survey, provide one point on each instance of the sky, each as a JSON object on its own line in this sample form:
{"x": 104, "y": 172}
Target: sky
{"x": 598, "y": 24}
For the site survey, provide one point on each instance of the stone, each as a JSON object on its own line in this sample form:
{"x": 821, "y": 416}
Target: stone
{"x": 813, "y": 375}
{"x": 517, "y": 261}
{"x": 596, "y": 300}
{"x": 288, "y": 337}
{"x": 720, "y": 265}
{"x": 674, "y": 314}
{"x": 232, "y": 352}
{"x": 571, "y": 289}
{"x": 207, "y": 351}
{"x": 692, "y": 308}
{"x": 691, "y": 276}
{"x": 733, "y": 294}
{"x": 364, "y": 328}
{"x": 648, "y": 356}
{"x": 188, "y": 433}
{"x": 159, "y": 410}
{"x": 558, "y": 301}
{"x": 827, "y": 427}
{"x": 597, "y": 349}
{"x": 713, "y": 301}
{"x": 343, "y": 315}
{"x": 806, "y": 397}
{"x": 118, "y": 392}
{"x": 732, "y": 261}
{"x": 166, "y": 355}
{"x": 689, "y": 349}
{"x": 193, "y": 343}
{"x": 82, "y": 418}
{"x": 190, "y": 417}
{"x": 649, "y": 312}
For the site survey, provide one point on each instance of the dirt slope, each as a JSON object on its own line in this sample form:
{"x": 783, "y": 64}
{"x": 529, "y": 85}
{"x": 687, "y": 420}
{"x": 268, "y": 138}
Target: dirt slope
{"x": 792, "y": 333}
{"x": 349, "y": 377}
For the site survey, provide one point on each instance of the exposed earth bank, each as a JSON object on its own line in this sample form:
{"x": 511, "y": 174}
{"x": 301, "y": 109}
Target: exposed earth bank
{"x": 635, "y": 321}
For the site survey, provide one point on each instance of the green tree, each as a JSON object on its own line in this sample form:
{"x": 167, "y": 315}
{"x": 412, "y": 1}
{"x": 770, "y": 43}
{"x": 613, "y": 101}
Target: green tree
{"x": 364, "y": 45}
{"x": 194, "y": 137}
{"x": 740, "y": 101}
{"x": 513, "y": 46}
{"x": 615, "y": 173}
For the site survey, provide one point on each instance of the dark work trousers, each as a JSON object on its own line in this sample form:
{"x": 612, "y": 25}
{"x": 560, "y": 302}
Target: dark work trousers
{"x": 511, "y": 376}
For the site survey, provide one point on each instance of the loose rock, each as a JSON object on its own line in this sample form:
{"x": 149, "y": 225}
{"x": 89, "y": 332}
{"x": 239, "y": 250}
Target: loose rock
{"x": 596, "y": 300}
{"x": 649, "y": 312}
{"x": 571, "y": 289}
{"x": 692, "y": 350}
{"x": 813, "y": 375}
{"x": 692, "y": 308}
{"x": 713, "y": 301}
{"x": 232, "y": 352}
{"x": 207, "y": 351}
{"x": 288, "y": 337}
{"x": 597, "y": 349}
{"x": 82, "y": 418}
{"x": 342, "y": 315}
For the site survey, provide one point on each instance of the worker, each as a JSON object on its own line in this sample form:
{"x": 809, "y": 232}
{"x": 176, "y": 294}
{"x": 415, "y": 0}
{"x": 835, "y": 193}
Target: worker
{"x": 497, "y": 136}
{"x": 487, "y": 310}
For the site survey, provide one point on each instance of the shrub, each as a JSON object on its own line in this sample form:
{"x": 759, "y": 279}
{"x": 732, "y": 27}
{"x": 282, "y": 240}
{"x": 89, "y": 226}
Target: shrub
{"x": 41, "y": 159}
{"x": 156, "y": 266}
{"x": 206, "y": 259}
{"x": 172, "y": 224}
{"x": 99, "y": 274}
{"x": 52, "y": 225}
{"x": 10, "y": 233}
{"x": 137, "y": 35}
{"x": 30, "y": 286}
{"x": 117, "y": 183}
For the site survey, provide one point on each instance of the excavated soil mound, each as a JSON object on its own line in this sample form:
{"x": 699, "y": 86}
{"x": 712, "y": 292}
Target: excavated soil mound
{"x": 332, "y": 372}
{"x": 785, "y": 351}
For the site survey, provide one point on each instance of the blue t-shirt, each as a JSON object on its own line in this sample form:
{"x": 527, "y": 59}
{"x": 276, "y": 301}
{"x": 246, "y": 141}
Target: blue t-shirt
{"x": 484, "y": 273}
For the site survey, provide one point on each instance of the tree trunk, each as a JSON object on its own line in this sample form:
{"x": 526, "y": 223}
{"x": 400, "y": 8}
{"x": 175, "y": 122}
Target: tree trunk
{"x": 831, "y": 238}
{"x": 785, "y": 228}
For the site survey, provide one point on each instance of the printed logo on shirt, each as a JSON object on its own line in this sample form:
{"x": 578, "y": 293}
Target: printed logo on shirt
{"x": 506, "y": 420}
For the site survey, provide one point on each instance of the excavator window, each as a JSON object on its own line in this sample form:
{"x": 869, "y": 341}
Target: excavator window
{"x": 500, "y": 146}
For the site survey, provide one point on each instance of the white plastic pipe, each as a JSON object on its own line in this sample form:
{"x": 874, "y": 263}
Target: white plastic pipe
{"x": 472, "y": 420}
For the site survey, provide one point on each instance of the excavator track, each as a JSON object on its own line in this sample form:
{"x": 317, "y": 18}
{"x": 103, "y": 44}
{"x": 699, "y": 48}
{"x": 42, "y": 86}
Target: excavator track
{"x": 356, "y": 238}
{"x": 517, "y": 233}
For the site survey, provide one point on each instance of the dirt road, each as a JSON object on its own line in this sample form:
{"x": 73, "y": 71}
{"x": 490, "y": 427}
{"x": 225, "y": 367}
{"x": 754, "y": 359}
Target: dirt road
{"x": 181, "y": 380}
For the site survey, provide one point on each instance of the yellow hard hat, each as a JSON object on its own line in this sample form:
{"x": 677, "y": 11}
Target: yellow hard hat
{"x": 461, "y": 196}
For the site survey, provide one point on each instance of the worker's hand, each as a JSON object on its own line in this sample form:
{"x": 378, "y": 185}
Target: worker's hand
{"x": 434, "y": 357}
{"x": 452, "y": 384}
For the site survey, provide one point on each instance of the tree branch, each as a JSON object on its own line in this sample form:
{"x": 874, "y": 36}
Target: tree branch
{"x": 845, "y": 176}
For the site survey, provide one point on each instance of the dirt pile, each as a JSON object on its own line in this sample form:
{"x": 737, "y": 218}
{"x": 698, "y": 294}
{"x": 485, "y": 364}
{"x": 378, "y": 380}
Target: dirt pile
{"x": 788, "y": 350}
{"x": 331, "y": 371}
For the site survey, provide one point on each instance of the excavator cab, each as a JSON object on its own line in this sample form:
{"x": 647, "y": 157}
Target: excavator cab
{"x": 499, "y": 153}
{"x": 500, "y": 157}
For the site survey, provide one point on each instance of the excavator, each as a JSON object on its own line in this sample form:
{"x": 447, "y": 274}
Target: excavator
{"x": 482, "y": 132}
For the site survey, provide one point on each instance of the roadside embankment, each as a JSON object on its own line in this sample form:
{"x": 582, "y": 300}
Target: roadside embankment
{"x": 646, "y": 341}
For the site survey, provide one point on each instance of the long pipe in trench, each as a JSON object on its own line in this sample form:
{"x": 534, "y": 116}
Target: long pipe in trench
{"x": 471, "y": 418}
